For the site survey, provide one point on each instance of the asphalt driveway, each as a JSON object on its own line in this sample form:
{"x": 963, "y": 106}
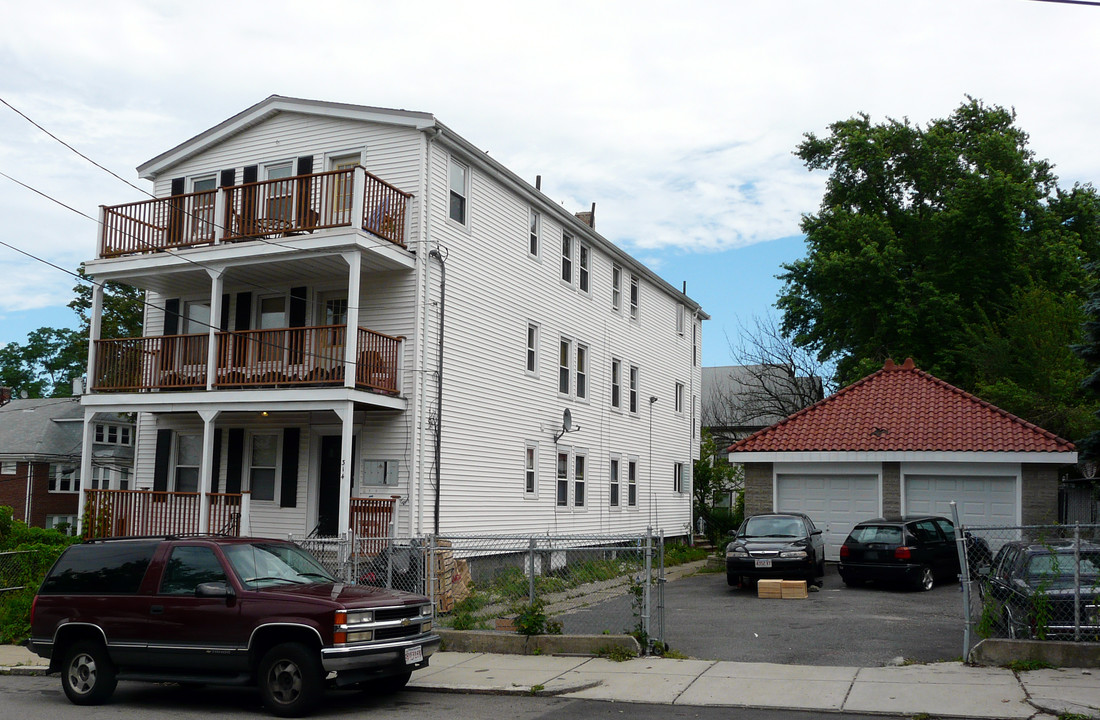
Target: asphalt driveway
{"x": 868, "y": 626}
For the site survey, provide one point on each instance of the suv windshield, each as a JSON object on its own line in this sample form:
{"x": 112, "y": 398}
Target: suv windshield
{"x": 267, "y": 564}
{"x": 771, "y": 526}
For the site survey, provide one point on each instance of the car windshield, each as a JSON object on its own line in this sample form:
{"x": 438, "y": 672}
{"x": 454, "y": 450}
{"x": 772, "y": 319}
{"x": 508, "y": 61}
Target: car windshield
{"x": 268, "y": 564}
{"x": 772, "y": 526}
{"x": 884, "y": 534}
{"x": 1055, "y": 570}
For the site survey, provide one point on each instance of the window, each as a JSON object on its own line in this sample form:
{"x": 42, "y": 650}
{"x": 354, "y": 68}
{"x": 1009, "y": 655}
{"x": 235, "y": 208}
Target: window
{"x": 563, "y": 480}
{"x": 343, "y": 183}
{"x": 270, "y": 315}
{"x": 582, "y": 371}
{"x": 196, "y": 321}
{"x": 563, "y": 365}
{"x": 112, "y": 435}
{"x": 531, "y": 468}
{"x": 616, "y": 383}
{"x": 677, "y": 477}
{"x": 535, "y": 221}
{"x": 7, "y": 467}
{"x": 579, "y": 462}
{"x": 613, "y": 495}
{"x": 632, "y": 483}
{"x": 262, "y": 464}
{"x": 616, "y": 288}
{"x": 280, "y": 195}
{"x": 188, "y": 458}
{"x": 633, "y": 297}
{"x": 203, "y": 213}
{"x": 694, "y": 346}
{"x": 532, "y": 349}
{"x": 188, "y": 567}
{"x": 64, "y": 479}
{"x": 582, "y": 271}
{"x": 679, "y": 319}
{"x": 458, "y": 179}
{"x": 694, "y": 402}
{"x": 678, "y": 398}
{"x": 567, "y": 257}
{"x": 633, "y": 389}
{"x": 65, "y": 524}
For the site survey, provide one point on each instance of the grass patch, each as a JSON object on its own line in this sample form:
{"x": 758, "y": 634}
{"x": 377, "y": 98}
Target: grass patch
{"x": 1028, "y": 665}
{"x": 675, "y": 655}
{"x": 616, "y": 653}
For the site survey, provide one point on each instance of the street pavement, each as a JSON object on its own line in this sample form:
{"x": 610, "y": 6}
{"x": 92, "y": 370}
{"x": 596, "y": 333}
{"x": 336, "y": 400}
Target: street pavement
{"x": 948, "y": 689}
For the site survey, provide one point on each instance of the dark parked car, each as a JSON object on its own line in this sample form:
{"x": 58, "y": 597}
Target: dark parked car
{"x": 913, "y": 550}
{"x": 776, "y": 545}
{"x": 1031, "y": 589}
{"x": 227, "y": 611}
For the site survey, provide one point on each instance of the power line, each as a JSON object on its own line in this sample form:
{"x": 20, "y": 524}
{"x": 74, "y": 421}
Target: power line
{"x": 1072, "y": 2}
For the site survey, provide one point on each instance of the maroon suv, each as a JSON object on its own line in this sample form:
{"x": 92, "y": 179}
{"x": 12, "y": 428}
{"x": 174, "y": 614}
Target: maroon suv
{"x": 218, "y": 610}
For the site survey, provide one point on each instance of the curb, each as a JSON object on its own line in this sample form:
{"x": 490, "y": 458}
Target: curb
{"x": 24, "y": 670}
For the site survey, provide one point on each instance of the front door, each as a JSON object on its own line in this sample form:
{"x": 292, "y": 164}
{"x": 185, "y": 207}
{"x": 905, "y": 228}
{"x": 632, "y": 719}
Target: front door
{"x": 328, "y": 500}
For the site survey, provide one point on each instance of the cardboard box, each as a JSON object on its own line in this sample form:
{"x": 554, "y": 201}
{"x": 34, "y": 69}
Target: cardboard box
{"x": 769, "y": 588}
{"x": 794, "y": 589}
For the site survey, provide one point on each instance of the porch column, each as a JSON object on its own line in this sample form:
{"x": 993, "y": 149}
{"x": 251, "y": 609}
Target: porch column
{"x": 217, "y": 283}
{"x": 206, "y": 467}
{"x": 351, "y": 344}
{"x": 85, "y": 457}
{"x": 95, "y": 329}
{"x": 346, "y": 415}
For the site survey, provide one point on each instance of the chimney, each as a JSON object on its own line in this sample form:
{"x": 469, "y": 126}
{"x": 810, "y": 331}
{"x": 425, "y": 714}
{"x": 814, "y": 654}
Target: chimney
{"x": 589, "y": 217}
{"x": 538, "y": 183}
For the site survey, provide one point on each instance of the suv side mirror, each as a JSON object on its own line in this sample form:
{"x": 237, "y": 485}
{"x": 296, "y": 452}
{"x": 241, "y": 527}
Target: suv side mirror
{"x": 219, "y": 589}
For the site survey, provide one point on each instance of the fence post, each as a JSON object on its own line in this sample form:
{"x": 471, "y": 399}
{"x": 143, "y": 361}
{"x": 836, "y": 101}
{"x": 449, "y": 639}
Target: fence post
{"x": 1076, "y": 581}
{"x": 661, "y": 589}
{"x": 964, "y": 570}
{"x": 431, "y": 571}
{"x": 648, "y": 576}
{"x": 531, "y": 575}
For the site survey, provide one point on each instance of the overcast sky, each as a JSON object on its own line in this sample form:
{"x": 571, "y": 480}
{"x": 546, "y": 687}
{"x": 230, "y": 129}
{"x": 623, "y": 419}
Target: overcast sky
{"x": 678, "y": 119}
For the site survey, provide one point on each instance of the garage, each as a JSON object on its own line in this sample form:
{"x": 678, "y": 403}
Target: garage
{"x": 834, "y": 502}
{"x": 988, "y": 501}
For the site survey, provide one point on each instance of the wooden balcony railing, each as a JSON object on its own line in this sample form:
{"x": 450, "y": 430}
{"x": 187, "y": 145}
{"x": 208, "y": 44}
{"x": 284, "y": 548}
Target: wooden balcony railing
{"x": 372, "y": 522}
{"x": 251, "y": 358}
{"x": 265, "y": 209}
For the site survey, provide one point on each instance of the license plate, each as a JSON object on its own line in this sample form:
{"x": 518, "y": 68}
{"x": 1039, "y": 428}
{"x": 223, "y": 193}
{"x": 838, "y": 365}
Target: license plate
{"x": 414, "y": 655}
{"x": 871, "y": 555}
{"x": 763, "y": 563}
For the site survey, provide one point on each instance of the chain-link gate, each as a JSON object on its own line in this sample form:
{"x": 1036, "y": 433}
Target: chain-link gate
{"x": 1036, "y": 582}
{"x": 595, "y": 584}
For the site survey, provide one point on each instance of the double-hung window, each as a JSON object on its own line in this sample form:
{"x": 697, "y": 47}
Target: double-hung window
{"x": 632, "y": 483}
{"x": 535, "y": 221}
{"x": 263, "y": 460}
{"x": 532, "y": 349}
{"x": 280, "y": 195}
{"x": 188, "y": 459}
{"x": 678, "y": 398}
{"x": 203, "y": 212}
{"x": 64, "y": 479}
{"x": 567, "y": 258}
{"x": 579, "y": 463}
{"x": 633, "y": 389}
{"x": 458, "y": 181}
{"x": 634, "y": 292}
{"x": 613, "y": 494}
{"x": 679, "y": 319}
{"x": 677, "y": 477}
{"x": 562, "y": 499}
{"x": 616, "y": 288}
{"x": 616, "y": 383}
{"x": 584, "y": 255}
{"x": 564, "y": 355}
{"x": 582, "y": 371}
{"x": 112, "y": 434}
{"x": 531, "y": 468}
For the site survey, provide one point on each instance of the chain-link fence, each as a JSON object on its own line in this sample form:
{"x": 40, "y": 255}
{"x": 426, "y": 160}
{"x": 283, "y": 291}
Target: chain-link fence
{"x": 532, "y": 584}
{"x": 24, "y": 568}
{"x": 1038, "y": 582}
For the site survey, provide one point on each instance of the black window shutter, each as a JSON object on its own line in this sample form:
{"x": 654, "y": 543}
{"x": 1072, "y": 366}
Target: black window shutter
{"x": 298, "y": 297}
{"x": 177, "y": 186}
{"x": 224, "y": 324}
{"x": 228, "y": 177}
{"x": 288, "y": 492}
{"x": 250, "y": 174}
{"x": 214, "y": 478}
{"x": 172, "y": 316}
{"x": 234, "y": 460}
{"x": 305, "y": 165}
{"x": 163, "y": 460}
{"x": 307, "y": 218}
{"x": 175, "y": 214}
{"x": 243, "y": 318}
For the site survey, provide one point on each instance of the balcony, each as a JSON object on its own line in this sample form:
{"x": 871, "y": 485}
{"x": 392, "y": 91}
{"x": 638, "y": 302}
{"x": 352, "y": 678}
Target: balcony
{"x": 301, "y": 356}
{"x": 259, "y": 210}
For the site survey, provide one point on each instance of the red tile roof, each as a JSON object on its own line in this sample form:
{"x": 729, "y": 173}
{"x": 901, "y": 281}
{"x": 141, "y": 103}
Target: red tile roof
{"x": 899, "y": 409}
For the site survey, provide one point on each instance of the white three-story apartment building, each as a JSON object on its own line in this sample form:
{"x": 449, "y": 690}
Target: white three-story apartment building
{"x": 356, "y": 318}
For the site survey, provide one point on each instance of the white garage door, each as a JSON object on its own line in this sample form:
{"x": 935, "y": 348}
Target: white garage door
{"x": 835, "y": 502}
{"x": 980, "y": 500}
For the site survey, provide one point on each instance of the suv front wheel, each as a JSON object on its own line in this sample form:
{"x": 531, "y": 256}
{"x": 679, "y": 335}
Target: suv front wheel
{"x": 290, "y": 680}
{"x": 88, "y": 676}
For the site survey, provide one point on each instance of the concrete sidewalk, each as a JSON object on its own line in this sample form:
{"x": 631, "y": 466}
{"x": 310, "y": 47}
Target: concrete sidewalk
{"x": 940, "y": 690}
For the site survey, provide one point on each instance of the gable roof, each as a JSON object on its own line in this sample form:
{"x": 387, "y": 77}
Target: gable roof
{"x": 902, "y": 409}
{"x": 41, "y": 429}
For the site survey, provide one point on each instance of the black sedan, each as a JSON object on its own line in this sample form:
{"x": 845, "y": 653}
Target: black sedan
{"x": 776, "y": 545}
{"x": 1030, "y": 590}
{"x": 912, "y": 550}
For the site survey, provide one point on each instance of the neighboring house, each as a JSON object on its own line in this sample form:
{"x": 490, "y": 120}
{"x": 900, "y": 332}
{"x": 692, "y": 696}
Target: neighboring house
{"x": 901, "y": 441}
{"x": 355, "y": 313}
{"x": 40, "y": 453}
{"x": 738, "y": 400}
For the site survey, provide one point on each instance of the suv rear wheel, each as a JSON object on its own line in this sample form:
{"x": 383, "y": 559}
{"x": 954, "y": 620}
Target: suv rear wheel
{"x": 87, "y": 676}
{"x": 290, "y": 680}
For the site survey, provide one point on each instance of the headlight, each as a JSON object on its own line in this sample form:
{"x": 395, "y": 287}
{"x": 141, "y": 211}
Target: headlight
{"x": 793, "y": 554}
{"x": 360, "y": 617}
{"x": 426, "y": 627}
{"x": 362, "y": 636}
{"x": 737, "y": 552}
{"x": 425, "y": 610}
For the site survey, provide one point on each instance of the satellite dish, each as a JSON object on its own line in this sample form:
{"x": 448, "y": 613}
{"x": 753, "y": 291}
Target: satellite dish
{"x": 23, "y": 394}
{"x": 566, "y": 420}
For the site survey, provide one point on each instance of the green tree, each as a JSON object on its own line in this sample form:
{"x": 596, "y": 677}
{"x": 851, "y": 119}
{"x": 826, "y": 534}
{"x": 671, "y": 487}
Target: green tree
{"x": 930, "y": 242}
{"x": 713, "y": 480}
{"x": 1089, "y": 352}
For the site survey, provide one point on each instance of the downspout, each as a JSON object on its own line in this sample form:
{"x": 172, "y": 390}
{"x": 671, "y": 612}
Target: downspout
{"x": 426, "y": 211}
{"x": 439, "y": 385}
